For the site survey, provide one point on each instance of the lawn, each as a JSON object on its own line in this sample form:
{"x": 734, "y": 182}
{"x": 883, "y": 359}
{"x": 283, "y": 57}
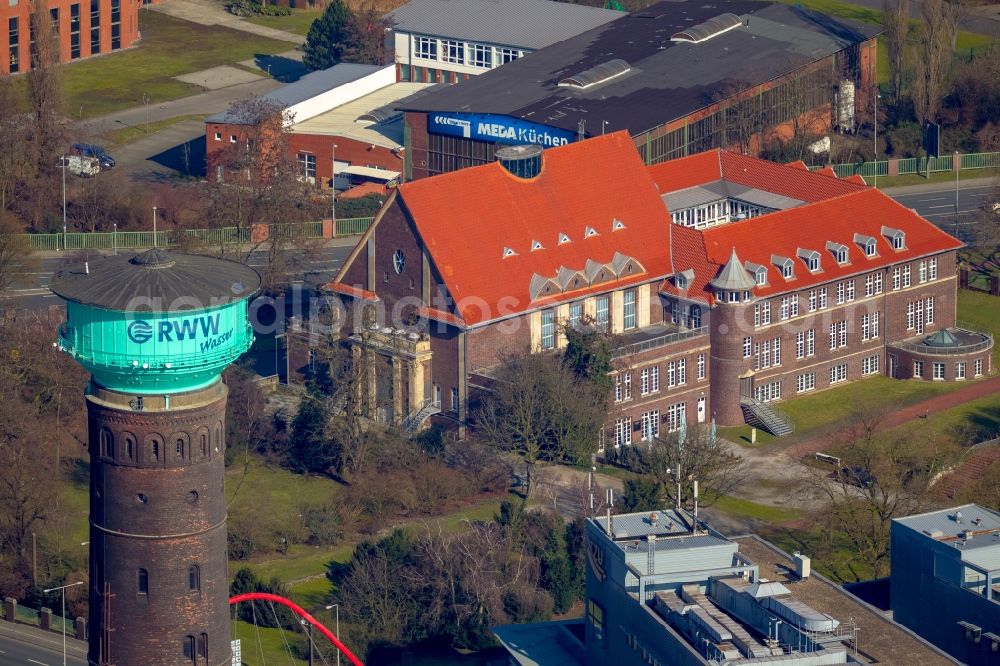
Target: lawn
{"x": 280, "y": 492}
{"x": 129, "y": 134}
{"x": 261, "y": 645}
{"x": 298, "y": 21}
{"x": 169, "y": 47}
{"x": 980, "y": 311}
{"x": 741, "y": 508}
{"x": 982, "y": 414}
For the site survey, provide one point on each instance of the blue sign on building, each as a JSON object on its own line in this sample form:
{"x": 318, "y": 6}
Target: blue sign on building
{"x": 496, "y": 129}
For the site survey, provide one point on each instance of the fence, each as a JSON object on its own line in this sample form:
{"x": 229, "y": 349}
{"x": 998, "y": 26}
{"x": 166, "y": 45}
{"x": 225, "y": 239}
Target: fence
{"x": 134, "y": 240}
{"x": 916, "y": 165}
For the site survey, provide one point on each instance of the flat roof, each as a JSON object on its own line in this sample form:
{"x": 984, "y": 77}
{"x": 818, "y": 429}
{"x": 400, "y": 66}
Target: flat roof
{"x": 665, "y": 80}
{"x": 529, "y": 24}
{"x": 309, "y": 86}
{"x": 343, "y": 120}
{"x": 967, "y": 528}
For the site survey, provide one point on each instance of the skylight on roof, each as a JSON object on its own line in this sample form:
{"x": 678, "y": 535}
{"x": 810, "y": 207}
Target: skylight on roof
{"x": 536, "y": 245}
{"x": 589, "y": 231}
{"x": 597, "y": 74}
{"x": 617, "y": 224}
{"x": 713, "y": 27}
{"x": 508, "y": 252}
{"x": 563, "y": 238}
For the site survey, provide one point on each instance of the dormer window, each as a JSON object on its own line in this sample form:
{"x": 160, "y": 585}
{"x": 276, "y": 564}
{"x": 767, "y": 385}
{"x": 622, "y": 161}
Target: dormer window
{"x": 811, "y": 259}
{"x": 563, "y": 238}
{"x": 840, "y": 253}
{"x": 867, "y": 244}
{"x": 683, "y": 279}
{"x": 617, "y": 225}
{"x": 759, "y": 273}
{"x": 784, "y": 266}
{"x": 588, "y": 232}
{"x": 508, "y": 252}
{"x": 896, "y": 238}
{"x": 536, "y": 245}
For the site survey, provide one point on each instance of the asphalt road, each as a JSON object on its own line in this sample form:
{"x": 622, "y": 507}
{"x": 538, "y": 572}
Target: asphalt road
{"x": 17, "y": 648}
{"x": 32, "y": 291}
{"x": 939, "y": 206}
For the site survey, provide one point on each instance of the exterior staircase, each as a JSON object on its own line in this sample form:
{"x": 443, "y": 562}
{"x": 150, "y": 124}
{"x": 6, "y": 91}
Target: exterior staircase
{"x": 766, "y": 417}
{"x": 416, "y": 418}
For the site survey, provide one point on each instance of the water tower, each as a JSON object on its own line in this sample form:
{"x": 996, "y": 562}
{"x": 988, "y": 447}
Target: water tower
{"x": 156, "y": 331}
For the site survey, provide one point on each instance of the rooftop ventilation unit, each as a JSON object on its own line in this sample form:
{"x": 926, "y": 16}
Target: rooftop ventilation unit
{"x": 597, "y": 74}
{"x": 713, "y": 27}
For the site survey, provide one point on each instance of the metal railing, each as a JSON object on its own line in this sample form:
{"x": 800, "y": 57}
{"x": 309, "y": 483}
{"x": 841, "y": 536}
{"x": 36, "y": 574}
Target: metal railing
{"x": 921, "y": 348}
{"x": 658, "y": 341}
{"x": 916, "y": 165}
{"x": 135, "y": 240}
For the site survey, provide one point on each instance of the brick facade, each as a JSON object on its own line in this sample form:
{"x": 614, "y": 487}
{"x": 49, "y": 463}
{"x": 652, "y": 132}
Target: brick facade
{"x": 84, "y": 29}
{"x": 157, "y": 510}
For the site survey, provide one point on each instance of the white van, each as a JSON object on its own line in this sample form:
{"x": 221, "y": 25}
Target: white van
{"x": 81, "y": 166}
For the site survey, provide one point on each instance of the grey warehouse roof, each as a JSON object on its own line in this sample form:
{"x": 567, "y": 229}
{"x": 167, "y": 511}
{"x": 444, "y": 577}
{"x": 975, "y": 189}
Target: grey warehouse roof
{"x": 530, "y": 24}
{"x": 156, "y": 281}
{"x": 309, "y": 86}
{"x": 666, "y": 80}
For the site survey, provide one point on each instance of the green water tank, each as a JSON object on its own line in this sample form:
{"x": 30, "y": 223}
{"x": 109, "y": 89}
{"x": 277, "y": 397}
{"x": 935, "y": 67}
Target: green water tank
{"x": 155, "y": 322}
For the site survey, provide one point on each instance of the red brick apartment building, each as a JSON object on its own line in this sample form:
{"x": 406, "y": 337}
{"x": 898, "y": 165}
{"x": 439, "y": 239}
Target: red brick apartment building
{"x": 85, "y": 28}
{"x": 729, "y": 282}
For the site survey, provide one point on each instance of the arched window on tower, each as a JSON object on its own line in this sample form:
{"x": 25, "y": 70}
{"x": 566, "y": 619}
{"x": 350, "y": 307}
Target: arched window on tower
{"x": 154, "y": 451}
{"x": 179, "y": 448}
{"x": 194, "y": 578}
{"x": 189, "y": 648}
{"x": 129, "y": 446}
{"x": 142, "y": 583}
{"x": 107, "y": 444}
{"x": 204, "y": 445}
{"x": 203, "y": 647}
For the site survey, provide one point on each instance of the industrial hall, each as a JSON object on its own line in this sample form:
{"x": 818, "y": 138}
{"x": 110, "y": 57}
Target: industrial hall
{"x": 727, "y": 283}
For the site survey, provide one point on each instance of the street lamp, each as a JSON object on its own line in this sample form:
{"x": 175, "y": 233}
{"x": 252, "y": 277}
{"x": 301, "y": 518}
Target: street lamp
{"x": 333, "y": 187}
{"x": 145, "y": 100}
{"x": 956, "y": 165}
{"x": 309, "y": 629}
{"x": 154, "y": 226}
{"x": 62, "y": 160}
{"x": 114, "y": 237}
{"x": 63, "y": 589}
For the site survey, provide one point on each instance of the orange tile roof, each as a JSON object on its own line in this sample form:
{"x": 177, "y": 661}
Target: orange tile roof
{"x": 363, "y": 190}
{"x": 468, "y": 219}
{"x": 355, "y": 292}
{"x": 810, "y": 227}
{"x": 689, "y": 253}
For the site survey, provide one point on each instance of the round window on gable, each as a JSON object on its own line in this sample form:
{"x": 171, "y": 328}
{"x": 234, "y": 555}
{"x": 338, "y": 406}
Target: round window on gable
{"x": 142, "y": 498}
{"x": 398, "y": 261}
{"x": 192, "y": 497}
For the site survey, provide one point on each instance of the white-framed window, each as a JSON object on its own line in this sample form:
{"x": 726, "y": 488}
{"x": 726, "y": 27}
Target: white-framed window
{"x": 776, "y": 352}
{"x": 812, "y": 300}
{"x": 785, "y": 307}
{"x": 548, "y": 329}
{"x": 768, "y": 392}
{"x": 929, "y": 310}
{"x": 833, "y": 336}
{"x": 878, "y": 283}
{"x": 813, "y": 262}
{"x": 232, "y": 138}
{"x": 482, "y": 56}
{"x": 794, "y": 305}
{"x": 619, "y": 388}
{"x": 898, "y": 241}
{"x": 628, "y": 309}
{"x": 842, "y": 329}
{"x": 307, "y": 167}
{"x": 694, "y": 316}
{"x": 628, "y": 385}
{"x": 644, "y": 381}
{"x": 623, "y": 386}
{"x": 932, "y": 269}
{"x": 676, "y": 415}
{"x": 920, "y": 317}
{"x": 505, "y": 56}
{"x": 960, "y": 370}
{"x": 671, "y": 374}
{"x": 601, "y": 312}
{"x": 747, "y": 346}
{"x": 841, "y": 255}
{"x": 427, "y": 48}
{"x": 869, "y": 365}
{"x": 865, "y": 326}
{"x": 800, "y": 344}
{"x": 762, "y": 313}
{"x": 623, "y": 431}
{"x": 841, "y": 292}
{"x": 922, "y": 272}
{"x": 756, "y": 356}
{"x": 787, "y": 270}
{"x": 875, "y": 318}
{"x": 675, "y": 312}
{"x": 811, "y": 342}
{"x": 896, "y": 278}
{"x": 838, "y": 373}
{"x": 654, "y": 379}
{"x": 218, "y": 136}
{"x": 918, "y": 369}
{"x": 575, "y": 314}
{"x": 850, "y": 290}
{"x": 805, "y": 382}
{"x": 700, "y": 372}
{"x": 906, "y": 276}
{"x": 650, "y": 425}
{"x": 870, "y": 248}
{"x": 453, "y": 51}
{"x": 765, "y": 355}
{"x": 938, "y": 369}
{"x": 822, "y": 298}
{"x": 910, "y": 318}
{"x": 978, "y": 367}
{"x": 870, "y": 284}
{"x": 454, "y": 399}
{"x": 682, "y": 373}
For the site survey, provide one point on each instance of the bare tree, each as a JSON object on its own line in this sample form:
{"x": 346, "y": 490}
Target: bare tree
{"x": 935, "y": 45}
{"x": 896, "y": 20}
{"x": 742, "y": 117}
{"x": 45, "y": 92}
{"x": 15, "y": 257}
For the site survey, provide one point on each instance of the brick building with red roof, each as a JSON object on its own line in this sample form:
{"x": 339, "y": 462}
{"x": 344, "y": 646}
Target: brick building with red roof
{"x": 727, "y": 282}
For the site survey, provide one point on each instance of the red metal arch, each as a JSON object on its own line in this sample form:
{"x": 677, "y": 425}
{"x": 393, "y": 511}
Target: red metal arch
{"x": 298, "y": 610}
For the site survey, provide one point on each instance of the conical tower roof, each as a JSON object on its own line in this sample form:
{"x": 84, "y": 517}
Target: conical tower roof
{"x": 733, "y": 277}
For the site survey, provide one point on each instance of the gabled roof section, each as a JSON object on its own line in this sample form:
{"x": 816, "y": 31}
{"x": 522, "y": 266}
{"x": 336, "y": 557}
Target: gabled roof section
{"x": 691, "y": 258}
{"x": 513, "y": 212}
{"x": 780, "y": 234}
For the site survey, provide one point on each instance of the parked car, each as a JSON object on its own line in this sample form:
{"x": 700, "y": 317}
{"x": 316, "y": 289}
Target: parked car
{"x": 80, "y": 166}
{"x": 102, "y": 156}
